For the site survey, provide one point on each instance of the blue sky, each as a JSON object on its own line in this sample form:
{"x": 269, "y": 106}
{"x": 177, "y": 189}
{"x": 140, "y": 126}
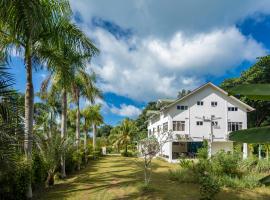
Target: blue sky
{"x": 152, "y": 49}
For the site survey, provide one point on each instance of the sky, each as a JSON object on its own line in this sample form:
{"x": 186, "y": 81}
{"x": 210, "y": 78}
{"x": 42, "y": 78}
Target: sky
{"x": 151, "y": 49}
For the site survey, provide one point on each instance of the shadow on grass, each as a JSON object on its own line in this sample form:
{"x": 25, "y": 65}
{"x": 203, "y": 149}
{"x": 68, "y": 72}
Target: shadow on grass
{"x": 115, "y": 177}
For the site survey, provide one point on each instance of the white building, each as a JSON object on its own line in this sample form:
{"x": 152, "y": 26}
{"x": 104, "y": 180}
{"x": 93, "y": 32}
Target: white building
{"x": 188, "y": 119}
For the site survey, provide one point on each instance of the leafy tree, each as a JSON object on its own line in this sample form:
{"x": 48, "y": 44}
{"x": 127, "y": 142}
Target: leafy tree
{"x": 259, "y": 73}
{"x": 182, "y": 93}
{"x": 104, "y": 130}
{"x": 141, "y": 121}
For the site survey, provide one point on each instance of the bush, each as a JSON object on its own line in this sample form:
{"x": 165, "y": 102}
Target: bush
{"x": 143, "y": 188}
{"x": 226, "y": 163}
{"x": 184, "y": 163}
{"x": 209, "y": 187}
{"x": 14, "y": 181}
{"x": 39, "y": 171}
{"x": 128, "y": 153}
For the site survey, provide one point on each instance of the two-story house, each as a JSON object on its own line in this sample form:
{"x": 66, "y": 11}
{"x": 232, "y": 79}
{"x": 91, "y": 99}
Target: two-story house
{"x": 207, "y": 113}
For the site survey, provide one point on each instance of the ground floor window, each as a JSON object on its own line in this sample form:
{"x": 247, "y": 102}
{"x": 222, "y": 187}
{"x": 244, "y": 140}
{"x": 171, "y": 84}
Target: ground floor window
{"x": 235, "y": 126}
{"x": 165, "y": 127}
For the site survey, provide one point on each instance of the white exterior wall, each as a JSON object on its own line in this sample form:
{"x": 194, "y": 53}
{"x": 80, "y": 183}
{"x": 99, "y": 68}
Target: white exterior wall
{"x": 198, "y": 133}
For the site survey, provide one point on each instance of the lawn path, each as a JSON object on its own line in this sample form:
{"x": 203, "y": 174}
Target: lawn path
{"x": 115, "y": 177}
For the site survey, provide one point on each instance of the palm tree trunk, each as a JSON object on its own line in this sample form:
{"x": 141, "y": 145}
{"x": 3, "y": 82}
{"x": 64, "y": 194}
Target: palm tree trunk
{"x": 29, "y": 112}
{"x": 63, "y": 129}
{"x": 78, "y": 125}
{"x": 85, "y": 142}
{"x": 51, "y": 121}
{"x": 94, "y": 136}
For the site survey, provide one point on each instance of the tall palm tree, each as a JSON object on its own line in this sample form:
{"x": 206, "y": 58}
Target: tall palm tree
{"x": 124, "y": 134}
{"x": 23, "y": 25}
{"x": 83, "y": 86}
{"x": 61, "y": 79}
{"x": 92, "y": 116}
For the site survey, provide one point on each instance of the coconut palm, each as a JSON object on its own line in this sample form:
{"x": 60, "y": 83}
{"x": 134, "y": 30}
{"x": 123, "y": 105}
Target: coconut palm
{"x": 24, "y": 24}
{"x": 92, "y": 117}
{"x": 123, "y": 134}
{"x": 83, "y": 86}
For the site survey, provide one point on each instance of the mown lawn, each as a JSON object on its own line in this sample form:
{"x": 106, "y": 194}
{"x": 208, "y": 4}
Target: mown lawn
{"x": 115, "y": 177}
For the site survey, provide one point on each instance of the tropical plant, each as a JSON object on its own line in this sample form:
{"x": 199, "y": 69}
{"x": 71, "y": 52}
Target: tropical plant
{"x": 92, "y": 117}
{"x": 83, "y": 86}
{"x": 24, "y": 25}
{"x": 51, "y": 148}
{"x": 124, "y": 134}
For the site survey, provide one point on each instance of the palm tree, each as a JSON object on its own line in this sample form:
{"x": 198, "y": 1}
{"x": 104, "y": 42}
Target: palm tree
{"x": 92, "y": 117}
{"x": 23, "y": 25}
{"x": 83, "y": 86}
{"x": 124, "y": 134}
{"x": 61, "y": 79}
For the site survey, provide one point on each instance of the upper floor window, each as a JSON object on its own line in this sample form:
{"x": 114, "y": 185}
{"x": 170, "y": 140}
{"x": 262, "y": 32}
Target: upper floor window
{"x": 182, "y": 107}
{"x": 149, "y": 131}
{"x": 165, "y": 126}
{"x": 235, "y": 126}
{"x": 178, "y": 125}
{"x": 199, "y": 123}
{"x": 200, "y": 103}
{"x": 154, "y": 130}
{"x": 213, "y": 103}
{"x": 232, "y": 108}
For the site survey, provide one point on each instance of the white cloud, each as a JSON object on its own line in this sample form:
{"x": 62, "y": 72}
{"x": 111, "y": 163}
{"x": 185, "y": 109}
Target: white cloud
{"x": 177, "y": 43}
{"x": 159, "y": 68}
{"x": 126, "y": 110}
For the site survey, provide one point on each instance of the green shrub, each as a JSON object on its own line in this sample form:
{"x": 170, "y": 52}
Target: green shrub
{"x": 203, "y": 152}
{"x": 144, "y": 189}
{"x": 128, "y": 153}
{"x": 209, "y": 187}
{"x": 226, "y": 164}
{"x": 184, "y": 163}
{"x": 39, "y": 171}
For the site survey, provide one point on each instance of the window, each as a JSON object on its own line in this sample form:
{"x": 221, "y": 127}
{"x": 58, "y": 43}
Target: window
{"x": 165, "y": 126}
{"x": 232, "y": 108}
{"x": 154, "y": 130}
{"x": 178, "y": 125}
{"x": 235, "y": 126}
{"x": 158, "y": 128}
{"x": 213, "y": 103}
{"x": 149, "y": 131}
{"x": 182, "y": 107}
{"x": 199, "y": 123}
{"x": 200, "y": 103}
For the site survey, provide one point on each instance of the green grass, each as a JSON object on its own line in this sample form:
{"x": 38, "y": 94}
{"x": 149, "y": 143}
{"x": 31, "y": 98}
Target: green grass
{"x": 115, "y": 177}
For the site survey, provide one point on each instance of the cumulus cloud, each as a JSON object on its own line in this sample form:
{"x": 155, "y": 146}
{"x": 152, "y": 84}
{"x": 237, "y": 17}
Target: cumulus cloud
{"x": 155, "y": 55}
{"x": 159, "y": 68}
{"x": 126, "y": 110}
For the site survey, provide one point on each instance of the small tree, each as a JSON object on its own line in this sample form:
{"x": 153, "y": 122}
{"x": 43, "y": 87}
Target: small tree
{"x": 149, "y": 148}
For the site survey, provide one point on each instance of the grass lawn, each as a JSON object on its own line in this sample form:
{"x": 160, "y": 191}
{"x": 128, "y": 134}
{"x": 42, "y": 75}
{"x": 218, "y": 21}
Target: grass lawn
{"x": 115, "y": 177}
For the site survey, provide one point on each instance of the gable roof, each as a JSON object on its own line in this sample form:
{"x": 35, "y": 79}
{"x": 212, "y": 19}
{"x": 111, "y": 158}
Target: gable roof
{"x": 209, "y": 84}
